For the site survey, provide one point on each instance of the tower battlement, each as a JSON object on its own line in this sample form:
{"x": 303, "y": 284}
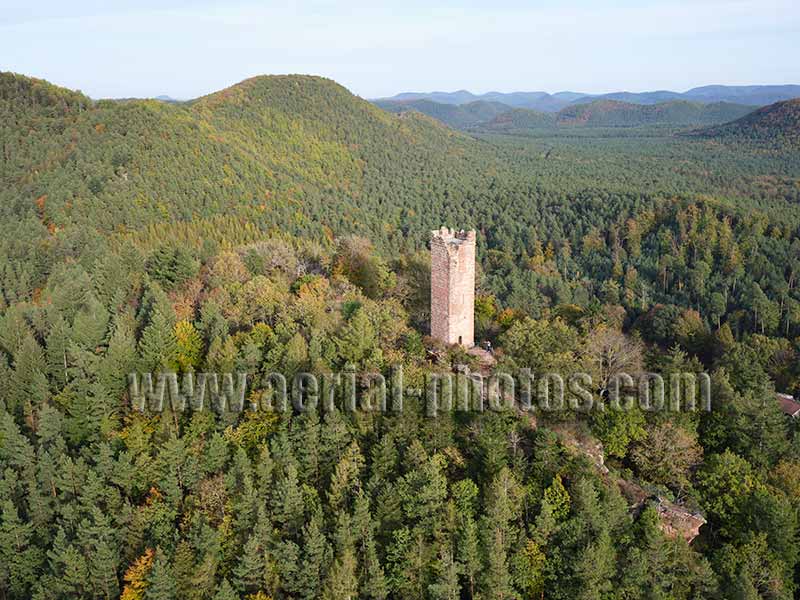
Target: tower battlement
{"x": 453, "y": 286}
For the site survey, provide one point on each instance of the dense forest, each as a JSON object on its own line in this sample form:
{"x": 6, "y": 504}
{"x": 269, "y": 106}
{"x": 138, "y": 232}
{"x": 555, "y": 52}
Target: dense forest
{"x": 777, "y": 124}
{"x": 464, "y": 116}
{"x": 282, "y": 225}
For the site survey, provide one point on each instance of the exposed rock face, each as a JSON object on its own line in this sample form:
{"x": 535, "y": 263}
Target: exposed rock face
{"x": 677, "y": 521}
{"x": 486, "y": 360}
{"x": 580, "y": 442}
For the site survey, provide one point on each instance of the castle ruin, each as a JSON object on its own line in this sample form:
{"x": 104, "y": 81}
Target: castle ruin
{"x": 453, "y": 286}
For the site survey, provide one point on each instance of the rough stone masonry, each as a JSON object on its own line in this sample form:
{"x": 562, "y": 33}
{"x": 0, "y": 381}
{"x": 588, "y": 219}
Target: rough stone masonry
{"x": 453, "y": 286}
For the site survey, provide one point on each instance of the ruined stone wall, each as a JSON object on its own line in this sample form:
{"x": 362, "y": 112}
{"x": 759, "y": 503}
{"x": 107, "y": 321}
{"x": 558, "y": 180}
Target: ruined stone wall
{"x": 453, "y": 286}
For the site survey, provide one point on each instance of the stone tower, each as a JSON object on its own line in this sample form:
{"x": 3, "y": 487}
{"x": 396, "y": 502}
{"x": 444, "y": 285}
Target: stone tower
{"x": 453, "y": 286}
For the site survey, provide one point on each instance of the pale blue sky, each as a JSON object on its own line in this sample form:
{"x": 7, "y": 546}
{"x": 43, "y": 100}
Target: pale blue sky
{"x": 188, "y": 48}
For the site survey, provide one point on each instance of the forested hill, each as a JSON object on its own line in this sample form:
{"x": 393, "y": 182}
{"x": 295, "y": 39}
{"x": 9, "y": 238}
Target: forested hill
{"x": 777, "y": 124}
{"x": 613, "y": 113}
{"x": 519, "y": 119}
{"x": 460, "y": 116}
{"x": 485, "y": 116}
{"x": 272, "y": 142}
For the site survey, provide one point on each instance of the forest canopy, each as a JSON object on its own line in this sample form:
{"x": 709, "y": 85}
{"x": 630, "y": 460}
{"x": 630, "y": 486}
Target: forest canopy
{"x": 282, "y": 225}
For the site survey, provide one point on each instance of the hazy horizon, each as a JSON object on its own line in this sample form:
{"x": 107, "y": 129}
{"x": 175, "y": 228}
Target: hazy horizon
{"x": 185, "y": 49}
{"x": 170, "y": 96}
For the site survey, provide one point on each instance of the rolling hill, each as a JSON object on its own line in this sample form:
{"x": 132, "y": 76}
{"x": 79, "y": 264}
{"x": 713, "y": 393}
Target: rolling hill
{"x": 275, "y": 151}
{"x": 496, "y": 117}
{"x": 777, "y": 124}
{"x": 296, "y": 154}
{"x": 519, "y": 119}
{"x": 613, "y": 113}
{"x": 457, "y": 116}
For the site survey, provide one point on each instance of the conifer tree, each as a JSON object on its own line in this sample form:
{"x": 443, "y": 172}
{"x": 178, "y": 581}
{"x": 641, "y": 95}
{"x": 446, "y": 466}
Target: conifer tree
{"x": 160, "y": 580}
{"x": 103, "y": 564}
{"x": 29, "y": 387}
{"x": 249, "y": 571}
{"x": 357, "y": 341}
{"x": 183, "y": 567}
{"x": 557, "y": 497}
{"x": 372, "y": 580}
{"x": 342, "y": 582}
{"x": 90, "y": 324}
{"x": 20, "y": 557}
{"x": 57, "y": 348}
{"x": 446, "y": 585}
{"x": 288, "y": 501}
{"x": 120, "y": 359}
{"x": 158, "y": 346}
{"x": 345, "y": 481}
{"x": 316, "y": 559}
{"x": 469, "y": 552}
{"x": 225, "y": 591}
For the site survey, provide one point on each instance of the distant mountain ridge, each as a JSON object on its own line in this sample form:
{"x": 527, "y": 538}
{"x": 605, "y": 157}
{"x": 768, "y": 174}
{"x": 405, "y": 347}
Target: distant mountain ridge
{"x": 497, "y": 117}
{"x": 753, "y": 95}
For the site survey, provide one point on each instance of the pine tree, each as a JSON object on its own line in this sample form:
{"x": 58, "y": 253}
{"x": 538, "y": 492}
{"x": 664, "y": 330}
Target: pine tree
{"x": 497, "y": 578}
{"x": 57, "y": 347}
{"x": 183, "y": 567}
{"x": 249, "y": 572}
{"x": 594, "y": 567}
{"x": 20, "y": 558}
{"x": 345, "y": 481}
{"x": 29, "y": 388}
{"x": 372, "y": 580}
{"x": 305, "y": 441}
{"x": 120, "y": 358}
{"x": 90, "y": 324}
{"x": 335, "y": 437}
{"x": 160, "y": 580}
{"x": 288, "y": 501}
{"x": 89, "y": 413}
{"x": 221, "y": 356}
{"x": 158, "y": 346}
{"x": 205, "y": 573}
{"x": 295, "y": 357}
{"x": 358, "y": 341}
{"x": 225, "y": 592}
{"x": 528, "y": 569}
{"x": 316, "y": 559}
{"x": 406, "y": 561}
{"x": 469, "y": 552}
{"x": 103, "y": 564}
{"x": 446, "y": 585}
{"x": 70, "y": 565}
{"x": 287, "y": 566}
{"x": 342, "y": 583}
